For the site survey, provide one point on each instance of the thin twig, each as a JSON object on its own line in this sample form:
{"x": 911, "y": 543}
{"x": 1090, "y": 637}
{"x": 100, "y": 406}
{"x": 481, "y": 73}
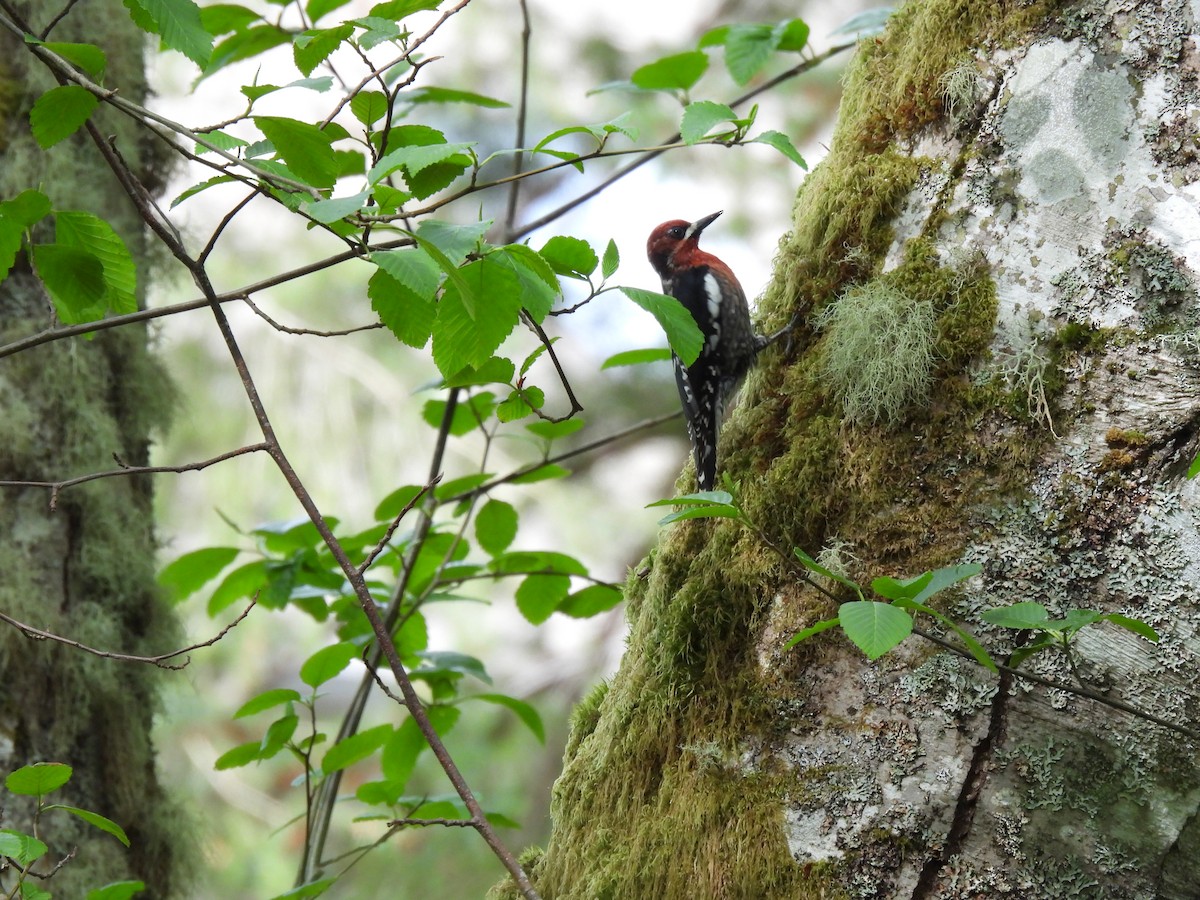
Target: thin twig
{"x": 56, "y": 487}
{"x": 38, "y": 634}
{"x": 514, "y": 191}
{"x": 391, "y": 529}
{"x": 312, "y": 332}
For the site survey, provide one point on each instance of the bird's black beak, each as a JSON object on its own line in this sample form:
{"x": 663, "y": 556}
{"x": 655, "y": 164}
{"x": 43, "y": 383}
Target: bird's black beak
{"x": 700, "y": 224}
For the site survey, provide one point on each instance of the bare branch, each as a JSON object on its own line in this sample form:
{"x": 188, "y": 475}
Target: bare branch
{"x": 308, "y": 331}
{"x": 38, "y": 634}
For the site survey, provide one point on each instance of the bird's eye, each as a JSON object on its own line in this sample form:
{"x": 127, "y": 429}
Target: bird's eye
{"x": 676, "y": 232}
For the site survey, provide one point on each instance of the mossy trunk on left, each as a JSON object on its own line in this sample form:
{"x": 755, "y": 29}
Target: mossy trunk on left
{"x": 82, "y": 567}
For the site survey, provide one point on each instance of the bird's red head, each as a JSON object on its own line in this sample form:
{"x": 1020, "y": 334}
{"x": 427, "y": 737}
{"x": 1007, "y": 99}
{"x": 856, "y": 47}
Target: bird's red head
{"x": 672, "y": 245}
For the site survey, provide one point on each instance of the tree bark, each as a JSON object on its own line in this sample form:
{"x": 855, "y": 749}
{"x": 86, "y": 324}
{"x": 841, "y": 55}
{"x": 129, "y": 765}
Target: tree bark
{"x": 83, "y": 568}
{"x": 1002, "y": 367}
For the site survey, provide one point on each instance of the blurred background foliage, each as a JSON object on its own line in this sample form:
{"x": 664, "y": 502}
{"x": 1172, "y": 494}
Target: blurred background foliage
{"x": 347, "y": 410}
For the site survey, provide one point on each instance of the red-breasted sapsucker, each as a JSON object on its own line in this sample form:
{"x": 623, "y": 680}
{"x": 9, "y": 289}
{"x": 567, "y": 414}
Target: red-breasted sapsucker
{"x": 710, "y": 292}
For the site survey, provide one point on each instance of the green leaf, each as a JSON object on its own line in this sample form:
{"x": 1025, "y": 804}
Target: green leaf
{"x": 91, "y": 234}
{"x": 305, "y": 148}
{"x": 222, "y": 18}
{"x": 38, "y": 779}
{"x": 88, "y": 58}
{"x": 399, "y": 9}
{"x": 241, "y": 755}
{"x": 463, "y": 485}
{"x": 783, "y": 144}
{"x": 700, "y": 117}
{"x": 591, "y": 601}
{"x": 611, "y": 261}
{"x": 554, "y": 430}
{"x": 278, "y": 734}
{"x": 336, "y": 208}
{"x": 407, "y": 314}
{"x": 1137, "y": 626}
{"x": 448, "y": 95}
{"x": 467, "y": 416}
{"x": 60, "y": 112}
{"x": 117, "y": 890}
{"x": 701, "y": 512}
{"x": 241, "y": 583}
{"x": 467, "y": 333}
{"x": 525, "y": 712}
{"x": 318, "y": 8}
{"x": 811, "y": 630}
{"x": 75, "y": 280}
{"x": 1025, "y": 614}
{"x": 747, "y": 49}
{"x": 538, "y": 283}
{"x": 311, "y": 48}
{"x": 541, "y": 473}
{"x": 308, "y": 889}
{"x": 875, "y": 628}
{"x": 357, "y": 747}
{"x": 455, "y": 242}
{"x": 791, "y": 36}
{"x": 202, "y": 186}
{"x": 682, "y": 332}
{"x": 539, "y": 595}
{"x": 901, "y": 589}
{"x": 327, "y": 663}
{"x": 497, "y": 370}
{"x": 600, "y": 133}
{"x": 438, "y": 662}
{"x": 570, "y": 256}
{"x": 178, "y": 23}
{"x": 23, "y": 848}
{"x": 108, "y": 826}
{"x": 369, "y": 106}
{"x": 636, "y": 357}
{"x": 813, "y": 566}
{"x": 700, "y": 498}
{"x": 520, "y": 403}
{"x": 266, "y": 700}
{"x": 496, "y": 526}
{"x": 244, "y": 44}
{"x": 192, "y": 571}
{"x": 17, "y": 215}
{"x": 671, "y": 73}
{"x": 415, "y": 159}
{"x": 414, "y": 268}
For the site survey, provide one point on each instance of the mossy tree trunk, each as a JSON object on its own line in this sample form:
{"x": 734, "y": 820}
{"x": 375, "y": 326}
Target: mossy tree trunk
{"x": 1000, "y": 254}
{"x": 85, "y": 568}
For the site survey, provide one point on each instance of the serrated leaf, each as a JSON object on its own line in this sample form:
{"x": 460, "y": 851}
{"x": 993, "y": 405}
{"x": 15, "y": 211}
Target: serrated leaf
{"x": 398, "y": 9}
{"x": 369, "y": 106}
{"x": 747, "y": 49}
{"x": 407, "y": 314}
{"x": 591, "y": 601}
{"x": 525, "y": 712}
{"x": 570, "y": 256}
{"x": 335, "y": 208}
{"x": 682, "y": 332}
{"x": 611, "y": 261}
{"x": 467, "y": 333}
{"x": 178, "y": 23}
{"x": 108, "y": 826}
{"x": 357, "y": 747}
{"x": 454, "y": 241}
{"x": 75, "y": 280}
{"x": 783, "y": 144}
{"x": 222, "y": 18}
{"x": 875, "y": 628}
{"x": 318, "y": 8}
{"x": 305, "y": 148}
{"x": 38, "y": 779}
{"x": 93, "y": 235}
{"x": 678, "y": 72}
{"x": 539, "y": 595}
{"x": 539, "y": 286}
{"x": 415, "y": 159}
{"x": 700, "y": 117}
{"x": 24, "y": 848}
{"x": 60, "y": 112}
{"x": 190, "y": 572}
{"x": 266, "y": 700}
{"x": 313, "y": 47}
{"x": 327, "y": 663}
{"x": 495, "y": 526}
{"x": 87, "y": 57}
{"x": 1025, "y": 614}
{"x": 520, "y": 403}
